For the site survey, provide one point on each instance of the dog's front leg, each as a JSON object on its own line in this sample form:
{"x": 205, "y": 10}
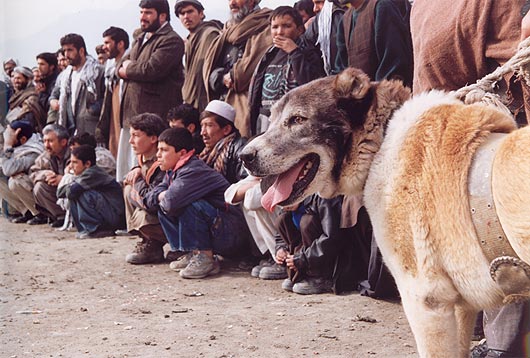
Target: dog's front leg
{"x": 433, "y": 323}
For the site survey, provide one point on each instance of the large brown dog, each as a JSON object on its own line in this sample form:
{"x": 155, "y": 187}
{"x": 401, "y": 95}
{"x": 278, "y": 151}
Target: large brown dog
{"x": 335, "y": 136}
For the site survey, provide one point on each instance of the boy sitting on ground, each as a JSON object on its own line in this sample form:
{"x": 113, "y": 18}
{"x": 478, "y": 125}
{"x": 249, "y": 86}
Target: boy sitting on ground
{"x": 309, "y": 243}
{"x": 191, "y": 207}
{"x": 96, "y": 199}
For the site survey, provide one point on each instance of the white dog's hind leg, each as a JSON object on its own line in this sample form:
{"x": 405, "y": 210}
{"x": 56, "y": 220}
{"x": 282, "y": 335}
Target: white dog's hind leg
{"x": 465, "y": 320}
{"x": 433, "y": 324}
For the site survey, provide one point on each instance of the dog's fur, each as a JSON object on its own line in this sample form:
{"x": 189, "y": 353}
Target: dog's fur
{"x": 413, "y": 170}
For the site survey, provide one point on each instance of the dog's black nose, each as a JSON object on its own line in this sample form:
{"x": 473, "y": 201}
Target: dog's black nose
{"x": 248, "y": 156}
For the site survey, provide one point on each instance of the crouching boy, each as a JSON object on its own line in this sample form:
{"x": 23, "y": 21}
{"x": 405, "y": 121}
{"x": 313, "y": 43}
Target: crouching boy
{"x": 96, "y": 199}
{"x": 191, "y": 207}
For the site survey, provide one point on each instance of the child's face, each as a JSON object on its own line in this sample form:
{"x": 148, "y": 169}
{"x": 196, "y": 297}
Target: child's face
{"x": 285, "y": 26}
{"x": 167, "y": 156}
{"x": 77, "y": 165}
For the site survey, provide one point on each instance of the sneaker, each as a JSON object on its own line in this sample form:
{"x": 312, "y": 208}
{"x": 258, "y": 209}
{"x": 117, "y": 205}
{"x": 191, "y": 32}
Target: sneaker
{"x": 93, "y": 235}
{"x": 287, "y": 285}
{"x": 122, "y": 232}
{"x": 273, "y": 272}
{"x": 181, "y": 263}
{"x": 38, "y": 219}
{"x": 312, "y": 286}
{"x": 200, "y": 266}
{"x": 145, "y": 252}
{"x": 256, "y": 269}
{"x": 480, "y": 350}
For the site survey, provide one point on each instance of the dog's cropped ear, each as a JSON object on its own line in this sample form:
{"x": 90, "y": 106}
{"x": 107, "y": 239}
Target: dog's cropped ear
{"x": 354, "y": 94}
{"x": 352, "y": 83}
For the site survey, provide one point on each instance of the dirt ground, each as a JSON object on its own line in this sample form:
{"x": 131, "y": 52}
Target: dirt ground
{"x": 62, "y": 297}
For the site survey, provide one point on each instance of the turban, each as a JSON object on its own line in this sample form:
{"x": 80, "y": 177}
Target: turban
{"x": 26, "y": 72}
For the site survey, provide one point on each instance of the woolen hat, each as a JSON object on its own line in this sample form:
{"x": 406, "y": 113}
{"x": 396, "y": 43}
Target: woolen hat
{"x": 222, "y": 109}
{"x": 181, "y": 3}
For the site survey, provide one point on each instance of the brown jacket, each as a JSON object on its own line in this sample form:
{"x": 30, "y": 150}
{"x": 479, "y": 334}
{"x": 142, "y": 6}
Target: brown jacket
{"x": 155, "y": 75}
{"x": 254, "y": 30}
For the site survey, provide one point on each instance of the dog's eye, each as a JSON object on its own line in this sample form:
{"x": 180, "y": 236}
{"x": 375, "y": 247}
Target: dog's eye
{"x": 296, "y": 120}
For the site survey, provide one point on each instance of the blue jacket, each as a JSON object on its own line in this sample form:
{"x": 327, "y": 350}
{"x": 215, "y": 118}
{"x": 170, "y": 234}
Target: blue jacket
{"x": 193, "y": 181}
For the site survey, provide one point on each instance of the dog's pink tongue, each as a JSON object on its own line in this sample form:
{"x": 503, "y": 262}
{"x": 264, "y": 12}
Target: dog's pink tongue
{"x": 282, "y": 187}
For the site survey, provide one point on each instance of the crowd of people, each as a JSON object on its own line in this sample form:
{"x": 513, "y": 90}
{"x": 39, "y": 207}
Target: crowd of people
{"x": 143, "y": 139}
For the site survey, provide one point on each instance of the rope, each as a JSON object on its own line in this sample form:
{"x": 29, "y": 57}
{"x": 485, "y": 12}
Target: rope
{"x": 483, "y": 89}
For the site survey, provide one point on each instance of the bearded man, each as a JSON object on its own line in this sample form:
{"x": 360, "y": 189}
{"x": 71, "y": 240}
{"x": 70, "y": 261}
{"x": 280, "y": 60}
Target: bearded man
{"x": 152, "y": 71}
{"x": 233, "y": 58}
{"x": 82, "y": 88}
{"x": 24, "y": 104}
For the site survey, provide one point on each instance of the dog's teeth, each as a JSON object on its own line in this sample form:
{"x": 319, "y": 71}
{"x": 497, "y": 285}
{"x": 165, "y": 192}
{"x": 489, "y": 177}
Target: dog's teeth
{"x": 309, "y": 165}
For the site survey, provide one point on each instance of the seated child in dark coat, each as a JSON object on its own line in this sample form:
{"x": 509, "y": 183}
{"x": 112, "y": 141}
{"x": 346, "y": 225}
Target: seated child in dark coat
{"x": 191, "y": 207}
{"x": 96, "y": 199}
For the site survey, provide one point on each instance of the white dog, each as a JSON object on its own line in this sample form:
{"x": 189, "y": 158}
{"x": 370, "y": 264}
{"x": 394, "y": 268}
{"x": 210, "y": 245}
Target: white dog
{"x": 413, "y": 160}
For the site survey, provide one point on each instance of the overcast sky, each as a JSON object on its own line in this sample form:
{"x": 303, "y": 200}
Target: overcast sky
{"x": 28, "y": 27}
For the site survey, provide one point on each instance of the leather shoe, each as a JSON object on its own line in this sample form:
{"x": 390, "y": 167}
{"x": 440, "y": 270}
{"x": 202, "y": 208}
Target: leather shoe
{"x": 38, "y": 219}
{"x": 56, "y": 223}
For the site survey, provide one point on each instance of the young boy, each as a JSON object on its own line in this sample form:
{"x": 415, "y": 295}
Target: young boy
{"x": 187, "y": 116}
{"x": 96, "y": 199}
{"x": 286, "y": 65}
{"x": 311, "y": 244}
{"x": 144, "y": 131}
{"x": 191, "y": 207}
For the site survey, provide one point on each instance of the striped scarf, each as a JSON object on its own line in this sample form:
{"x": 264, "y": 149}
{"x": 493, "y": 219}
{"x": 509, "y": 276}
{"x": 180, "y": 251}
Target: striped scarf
{"x": 215, "y": 158}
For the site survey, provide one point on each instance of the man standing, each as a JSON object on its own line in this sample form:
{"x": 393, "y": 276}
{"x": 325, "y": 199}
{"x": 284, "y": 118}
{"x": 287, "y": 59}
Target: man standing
{"x": 153, "y": 73}
{"x": 24, "y": 103}
{"x": 48, "y": 171}
{"x": 81, "y": 92}
{"x": 47, "y": 64}
{"x": 234, "y": 56}
{"x": 202, "y": 35}
{"x": 115, "y": 43}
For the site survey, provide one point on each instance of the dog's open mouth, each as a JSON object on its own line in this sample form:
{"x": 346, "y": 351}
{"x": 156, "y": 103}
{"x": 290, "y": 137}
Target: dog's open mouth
{"x": 290, "y": 185}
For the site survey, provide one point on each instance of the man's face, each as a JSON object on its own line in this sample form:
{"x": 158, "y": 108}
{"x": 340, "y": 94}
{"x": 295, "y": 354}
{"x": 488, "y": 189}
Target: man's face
{"x": 190, "y": 17}
{"x": 318, "y": 5}
{"x": 284, "y": 26}
{"x": 305, "y": 15}
{"x": 53, "y": 145}
{"x": 37, "y": 77}
{"x": 179, "y": 123}
{"x": 19, "y": 81}
{"x": 72, "y": 55}
{"x": 77, "y": 165}
{"x": 211, "y": 132}
{"x": 240, "y": 8}
{"x": 45, "y": 69}
{"x": 102, "y": 57}
{"x": 167, "y": 156}
{"x": 110, "y": 46}
{"x": 149, "y": 20}
{"x": 62, "y": 61}
{"x": 141, "y": 143}
{"x": 9, "y": 67}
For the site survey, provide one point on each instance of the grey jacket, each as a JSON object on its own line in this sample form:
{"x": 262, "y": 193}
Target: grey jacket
{"x": 21, "y": 158}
